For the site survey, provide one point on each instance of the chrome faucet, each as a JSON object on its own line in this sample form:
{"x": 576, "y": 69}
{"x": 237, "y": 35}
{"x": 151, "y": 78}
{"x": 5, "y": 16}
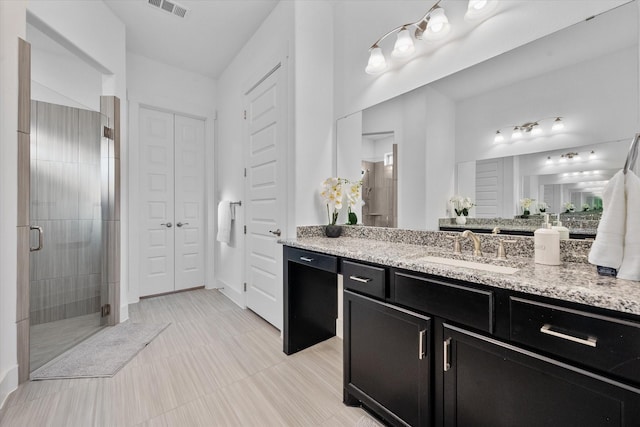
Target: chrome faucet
{"x": 476, "y": 241}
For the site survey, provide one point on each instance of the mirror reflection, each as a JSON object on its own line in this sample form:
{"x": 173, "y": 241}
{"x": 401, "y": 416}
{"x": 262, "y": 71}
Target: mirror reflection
{"x": 586, "y": 74}
{"x": 379, "y": 179}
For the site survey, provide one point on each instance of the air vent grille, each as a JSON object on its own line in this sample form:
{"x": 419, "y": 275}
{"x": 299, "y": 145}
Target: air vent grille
{"x": 170, "y": 7}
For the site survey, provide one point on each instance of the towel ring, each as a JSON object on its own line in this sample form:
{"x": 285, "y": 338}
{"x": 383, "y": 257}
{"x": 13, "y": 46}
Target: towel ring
{"x": 633, "y": 154}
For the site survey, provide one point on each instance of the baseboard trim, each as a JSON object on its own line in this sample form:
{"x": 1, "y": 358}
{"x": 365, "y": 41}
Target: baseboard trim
{"x": 8, "y": 384}
{"x": 124, "y": 312}
{"x": 236, "y": 296}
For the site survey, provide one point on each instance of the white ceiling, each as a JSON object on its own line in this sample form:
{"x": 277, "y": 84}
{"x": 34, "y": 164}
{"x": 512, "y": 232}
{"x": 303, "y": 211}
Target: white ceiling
{"x": 205, "y": 41}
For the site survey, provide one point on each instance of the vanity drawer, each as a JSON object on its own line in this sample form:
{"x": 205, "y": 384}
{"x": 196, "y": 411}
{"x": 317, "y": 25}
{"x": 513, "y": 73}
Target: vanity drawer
{"x": 467, "y": 306}
{"x": 313, "y": 259}
{"x": 365, "y": 279}
{"x": 605, "y": 343}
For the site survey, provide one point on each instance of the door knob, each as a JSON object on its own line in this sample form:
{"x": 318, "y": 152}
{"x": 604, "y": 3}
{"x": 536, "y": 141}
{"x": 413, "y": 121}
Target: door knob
{"x": 180, "y": 224}
{"x": 277, "y": 232}
{"x": 167, "y": 224}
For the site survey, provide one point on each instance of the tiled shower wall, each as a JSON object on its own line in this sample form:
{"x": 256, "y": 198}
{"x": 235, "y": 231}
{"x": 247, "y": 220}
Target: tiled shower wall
{"x": 65, "y": 276}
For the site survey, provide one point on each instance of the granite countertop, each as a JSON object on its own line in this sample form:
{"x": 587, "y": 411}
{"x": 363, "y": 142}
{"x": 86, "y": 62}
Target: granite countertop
{"x": 571, "y": 281}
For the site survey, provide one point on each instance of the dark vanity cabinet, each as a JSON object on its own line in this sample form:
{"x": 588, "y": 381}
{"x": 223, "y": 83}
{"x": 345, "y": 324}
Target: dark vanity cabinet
{"x": 491, "y": 383}
{"x": 386, "y": 360}
{"x": 425, "y": 350}
{"x": 310, "y": 298}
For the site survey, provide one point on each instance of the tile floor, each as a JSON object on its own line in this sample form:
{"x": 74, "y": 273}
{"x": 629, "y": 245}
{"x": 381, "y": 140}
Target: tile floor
{"x": 215, "y": 365}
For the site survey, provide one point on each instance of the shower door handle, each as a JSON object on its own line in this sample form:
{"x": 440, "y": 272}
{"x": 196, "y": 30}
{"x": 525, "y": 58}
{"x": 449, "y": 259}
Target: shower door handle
{"x": 40, "y": 238}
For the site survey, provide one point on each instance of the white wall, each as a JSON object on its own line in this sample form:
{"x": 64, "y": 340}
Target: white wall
{"x": 153, "y": 84}
{"x": 60, "y": 77}
{"x": 271, "y": 44}
{"x": 91, "y": 31}
{"x": 12, "y": 26}
{"x": 314, "y": 118}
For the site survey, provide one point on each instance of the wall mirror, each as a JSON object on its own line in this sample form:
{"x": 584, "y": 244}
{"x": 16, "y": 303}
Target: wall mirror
{"x": 586, "y": 74}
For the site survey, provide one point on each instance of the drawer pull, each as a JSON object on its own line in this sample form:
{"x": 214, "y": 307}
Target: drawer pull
{"x": 589, "y": 341}
{"x": 305, "y": 259}
{"x": 421, "y": 337}
{"x": 360, "y": 279}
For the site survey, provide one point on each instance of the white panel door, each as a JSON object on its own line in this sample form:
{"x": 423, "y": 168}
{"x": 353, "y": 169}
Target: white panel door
{"x": 156, "y": 200}
{"x": 489, "y": 188}
{"x": 265, "y": 191}
{"x": 189, "y": 203}
{"x": 172, "y": 199}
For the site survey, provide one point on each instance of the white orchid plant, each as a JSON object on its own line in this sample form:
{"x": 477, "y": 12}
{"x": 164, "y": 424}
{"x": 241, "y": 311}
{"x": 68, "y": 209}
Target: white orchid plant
{"x": 333, "y": 192}
{"x": 586, "y": 207}
{"x": 543, "y": 206}
{"x": 569, "y": 207}
{"x": 461, "y": 205}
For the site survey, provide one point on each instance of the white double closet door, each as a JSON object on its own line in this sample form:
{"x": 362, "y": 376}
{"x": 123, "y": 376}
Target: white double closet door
{"x": 172, "y": 182}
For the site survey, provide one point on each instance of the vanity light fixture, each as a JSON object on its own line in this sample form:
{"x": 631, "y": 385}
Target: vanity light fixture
{"x": 592, "y": 155}
{"x": 533, "y": 128}
{"x": 434, "y": 25}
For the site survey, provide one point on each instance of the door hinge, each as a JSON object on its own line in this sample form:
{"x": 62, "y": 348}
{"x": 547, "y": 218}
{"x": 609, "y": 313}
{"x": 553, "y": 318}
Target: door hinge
{"x": 245, "y": 286}
{"x": 105, "y": 310}
{"x": 107, "y": 132}
{"x": 245, "y": 172}
{"x": 245, "y": 229}
{"x": 245, "y": 114}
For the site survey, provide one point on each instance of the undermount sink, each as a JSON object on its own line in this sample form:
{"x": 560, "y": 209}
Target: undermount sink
{"x": 470, "y": 264}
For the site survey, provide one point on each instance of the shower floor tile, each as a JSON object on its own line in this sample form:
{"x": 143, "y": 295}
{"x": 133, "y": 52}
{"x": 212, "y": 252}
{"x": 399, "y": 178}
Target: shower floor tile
{"x": 49, "y": 340}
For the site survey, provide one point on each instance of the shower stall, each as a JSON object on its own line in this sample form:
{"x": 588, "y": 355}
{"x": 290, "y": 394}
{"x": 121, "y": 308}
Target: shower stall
{"x": 68, "y": 295}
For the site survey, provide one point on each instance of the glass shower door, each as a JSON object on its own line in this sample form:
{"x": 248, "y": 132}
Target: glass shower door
{"x": 66, "y": 274}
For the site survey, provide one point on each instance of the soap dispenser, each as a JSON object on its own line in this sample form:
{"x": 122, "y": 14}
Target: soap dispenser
{"x": 563, "y": 231}
{"x": 547, "y": 244}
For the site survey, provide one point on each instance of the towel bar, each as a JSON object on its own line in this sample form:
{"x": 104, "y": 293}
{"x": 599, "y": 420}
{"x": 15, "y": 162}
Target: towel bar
{"x": 633, "y": 154}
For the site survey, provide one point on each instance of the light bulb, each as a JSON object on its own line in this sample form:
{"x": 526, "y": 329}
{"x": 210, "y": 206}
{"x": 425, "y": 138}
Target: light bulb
{"x": 478, "y": 9}
{"x": 558, "y": 124}
{"x": 592, "y": 155}
{"x": 517, "y": 133}
{"x": 377, "y": 63}
{"x": 563, "y": 159}
{"x": 535, "y": 130}
{"x": 549, "y": 161}
{"x": 438, "y": 25}
{"x": 498, "y": 138}
{"x": 404, "y": 45}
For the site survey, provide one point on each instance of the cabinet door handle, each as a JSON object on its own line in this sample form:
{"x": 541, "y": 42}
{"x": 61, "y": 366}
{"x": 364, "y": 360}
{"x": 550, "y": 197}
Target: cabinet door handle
{"x": 446, "y": 354}
{"x": 305, "y": 259}
{"x": 360, "y": 279}
{"x": 421, "y": 351}
{"x": 589, "y": 341}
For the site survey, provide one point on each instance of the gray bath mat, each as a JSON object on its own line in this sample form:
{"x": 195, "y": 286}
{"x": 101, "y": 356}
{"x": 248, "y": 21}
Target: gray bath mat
{"x": 103, "y": 354}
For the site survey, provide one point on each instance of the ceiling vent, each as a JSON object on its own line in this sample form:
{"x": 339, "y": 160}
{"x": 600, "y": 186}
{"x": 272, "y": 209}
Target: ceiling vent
{"x": 169, "y": 7}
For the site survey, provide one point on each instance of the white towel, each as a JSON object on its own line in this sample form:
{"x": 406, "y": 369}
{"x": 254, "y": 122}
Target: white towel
{"x": 630, "y": 268}
{"x": 224, "y": 221}
{"x": 608, "y": 248}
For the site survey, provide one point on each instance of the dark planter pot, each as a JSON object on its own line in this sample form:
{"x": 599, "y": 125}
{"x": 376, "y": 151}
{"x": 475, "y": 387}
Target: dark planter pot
{"x": 333, "y": 230}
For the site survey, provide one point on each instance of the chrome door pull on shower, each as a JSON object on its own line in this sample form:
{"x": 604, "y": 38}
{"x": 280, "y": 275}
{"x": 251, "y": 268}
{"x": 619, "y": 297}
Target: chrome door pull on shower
{"x": 40, "y": 238}
{"x": 180, "y": 224}
{"x": 167, "y": 224}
